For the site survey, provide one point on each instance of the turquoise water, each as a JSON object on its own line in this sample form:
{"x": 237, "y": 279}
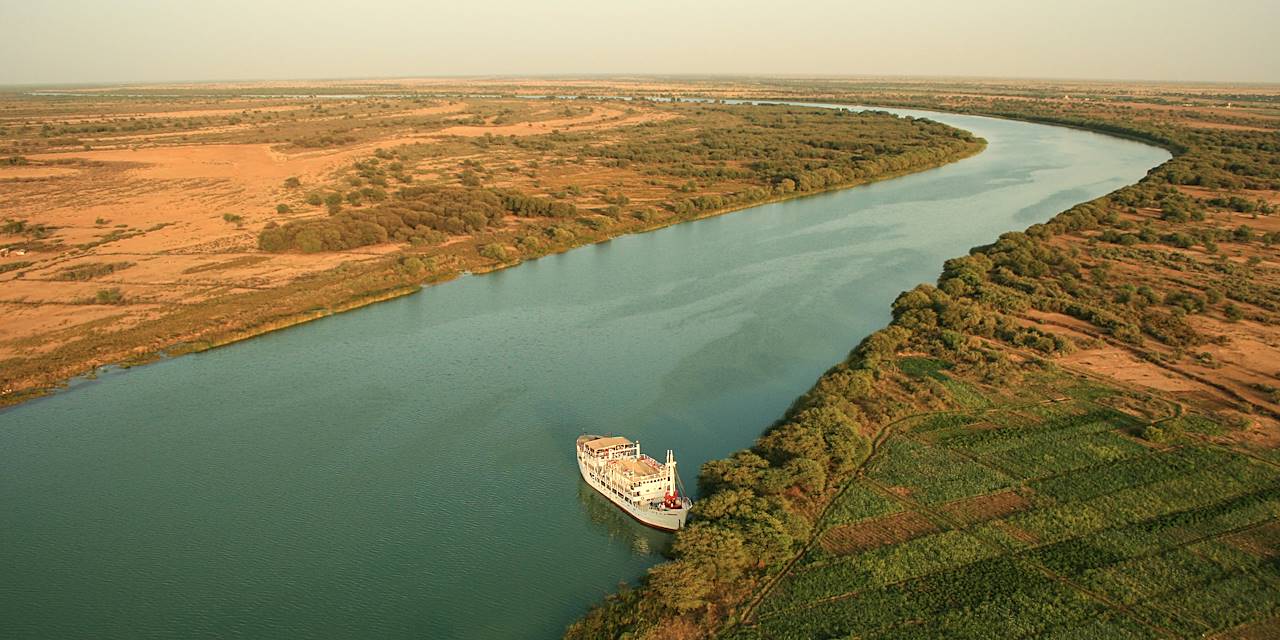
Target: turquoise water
{"x": 406, "y": 470}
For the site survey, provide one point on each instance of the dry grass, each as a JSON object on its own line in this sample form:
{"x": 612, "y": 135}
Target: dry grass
{"x": 989, "y": 507}
{"x": 848, "y": 539}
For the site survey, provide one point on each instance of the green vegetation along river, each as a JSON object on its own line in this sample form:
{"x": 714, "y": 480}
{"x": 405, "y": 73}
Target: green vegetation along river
{"x": 406, "y": 470}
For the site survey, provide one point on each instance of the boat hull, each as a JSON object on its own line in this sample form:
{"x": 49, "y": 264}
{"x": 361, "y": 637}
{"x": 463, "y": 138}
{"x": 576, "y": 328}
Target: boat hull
{"x": 669, "y": 520}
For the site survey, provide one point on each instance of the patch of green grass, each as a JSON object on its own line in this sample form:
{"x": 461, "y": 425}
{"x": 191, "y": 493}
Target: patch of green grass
{"x": 880, "y": 567}
{"x": 943, "y": 422}
{"x": 965, "y": 394}
{"x": 1046, "y": 458}
{"x": 859, "y": 502}
{"x": 933, "y": 474}
{"x": 1052, "y": 430}
{"x": 920, "y": 367}
{"x": 1092, "y": 482}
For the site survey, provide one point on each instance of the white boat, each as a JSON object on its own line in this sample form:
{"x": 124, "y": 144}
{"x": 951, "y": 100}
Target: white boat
{"x": 644, "y": 488}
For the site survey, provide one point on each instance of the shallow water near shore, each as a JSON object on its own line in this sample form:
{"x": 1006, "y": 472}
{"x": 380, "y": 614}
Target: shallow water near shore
{"x": 407, "y": 469}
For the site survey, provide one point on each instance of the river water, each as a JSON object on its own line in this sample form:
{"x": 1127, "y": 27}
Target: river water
{"x": 406, "y": 469}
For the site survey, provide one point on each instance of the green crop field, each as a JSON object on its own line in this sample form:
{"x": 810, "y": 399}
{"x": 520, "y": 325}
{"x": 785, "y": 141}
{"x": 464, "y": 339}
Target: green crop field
{"x": 1046, "y": 515}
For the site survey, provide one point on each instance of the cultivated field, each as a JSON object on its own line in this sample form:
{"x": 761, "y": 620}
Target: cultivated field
{"x": 1046, "y": 513}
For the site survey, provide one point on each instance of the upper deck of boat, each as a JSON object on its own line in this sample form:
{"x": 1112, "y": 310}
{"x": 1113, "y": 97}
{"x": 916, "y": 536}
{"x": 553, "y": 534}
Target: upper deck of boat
{"x": 600, "y": 444}
{"x": 637, "y": 467}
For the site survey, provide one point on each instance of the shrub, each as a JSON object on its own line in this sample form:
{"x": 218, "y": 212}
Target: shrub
{"x": 273, "y": 238}
{"x": 495, "y": 251}
{"x": 413, "y": 265}
{"x": 109, "y": 296}
{"x": 90, "y": 270}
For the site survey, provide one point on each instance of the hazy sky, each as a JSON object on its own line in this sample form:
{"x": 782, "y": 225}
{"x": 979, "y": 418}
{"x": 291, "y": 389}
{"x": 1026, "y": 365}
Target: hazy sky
{"x": 52, "y": 41}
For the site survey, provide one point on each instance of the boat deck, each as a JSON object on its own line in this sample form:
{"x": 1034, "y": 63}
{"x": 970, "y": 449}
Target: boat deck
{"x": 635, "y": 467}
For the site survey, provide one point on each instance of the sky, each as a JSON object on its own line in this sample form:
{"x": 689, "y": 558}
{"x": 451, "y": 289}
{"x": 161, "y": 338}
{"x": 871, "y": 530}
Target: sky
{"x": 104, "y": 41}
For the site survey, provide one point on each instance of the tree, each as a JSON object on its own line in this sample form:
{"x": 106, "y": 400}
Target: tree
{"x": 413, "y": 265}
{"x": 742, "y": 470}
{"x": 718, "y": 548}
{"x": 495, "y": 251}
{"x": 273, "y": 238}
{"x": 333, "y": 201}
{"x": 681, "y": 585}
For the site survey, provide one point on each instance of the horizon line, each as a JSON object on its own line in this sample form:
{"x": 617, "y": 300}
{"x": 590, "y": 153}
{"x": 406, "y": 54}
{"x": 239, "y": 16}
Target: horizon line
{"x": 620, "y": 75}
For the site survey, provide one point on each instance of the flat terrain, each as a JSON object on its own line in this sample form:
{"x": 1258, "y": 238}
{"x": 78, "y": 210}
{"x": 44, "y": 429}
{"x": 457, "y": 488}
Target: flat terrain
{"x": 1039, "y": 513}
{"x": 135, "y": 225}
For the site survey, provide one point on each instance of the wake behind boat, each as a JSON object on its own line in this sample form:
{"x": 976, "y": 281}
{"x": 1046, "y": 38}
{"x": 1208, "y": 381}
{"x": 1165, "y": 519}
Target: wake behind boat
{"x": 645, "y": 489}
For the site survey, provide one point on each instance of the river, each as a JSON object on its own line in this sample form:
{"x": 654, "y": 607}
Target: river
{"x": 406, "y": 469}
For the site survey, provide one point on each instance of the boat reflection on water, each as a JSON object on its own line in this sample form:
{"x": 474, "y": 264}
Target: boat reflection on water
{"x": 642, "y": 540}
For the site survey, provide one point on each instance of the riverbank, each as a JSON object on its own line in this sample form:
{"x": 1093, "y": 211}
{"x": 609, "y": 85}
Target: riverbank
{"x": 876, "y": 535}
{"x": 224, "y": 319}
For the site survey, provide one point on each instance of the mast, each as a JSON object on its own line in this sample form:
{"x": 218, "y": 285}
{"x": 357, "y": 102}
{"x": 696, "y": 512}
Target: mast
{"x": 672, "y": 492}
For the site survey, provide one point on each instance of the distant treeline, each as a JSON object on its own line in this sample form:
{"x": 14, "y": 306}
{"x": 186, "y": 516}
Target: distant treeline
{"x": 720, "y": 156}
{"x": 784, "y": 150}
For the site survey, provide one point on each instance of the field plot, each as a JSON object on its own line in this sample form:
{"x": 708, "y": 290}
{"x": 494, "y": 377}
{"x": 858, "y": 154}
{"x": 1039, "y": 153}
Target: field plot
{"x": 1046, "y": 517}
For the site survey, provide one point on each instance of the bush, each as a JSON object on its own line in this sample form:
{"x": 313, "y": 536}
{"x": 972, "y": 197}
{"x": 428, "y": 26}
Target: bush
{"x": 1233, "y": 313}
{"x": 333, "y": 200}
{"x": 413, "y": 265}
{"x": 109, "y": 296}
{"x": 90, "y": 270}
{"x": 495, "y": 251}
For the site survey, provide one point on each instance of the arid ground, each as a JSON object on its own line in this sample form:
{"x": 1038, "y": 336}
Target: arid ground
{"x": 133, "y": 216}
